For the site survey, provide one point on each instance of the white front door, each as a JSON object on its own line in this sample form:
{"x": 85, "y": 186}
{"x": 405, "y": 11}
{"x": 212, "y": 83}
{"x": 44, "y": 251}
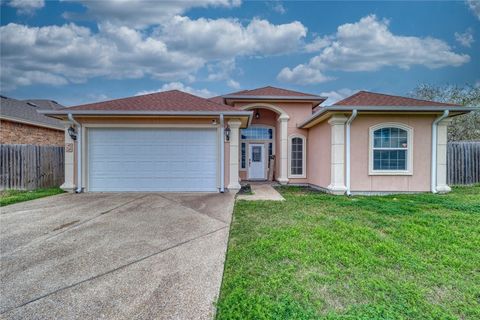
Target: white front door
{"x": 256, "y": 161}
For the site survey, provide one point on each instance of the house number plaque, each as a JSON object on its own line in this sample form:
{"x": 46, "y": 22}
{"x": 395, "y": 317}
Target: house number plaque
{"x": 68, "y": 147}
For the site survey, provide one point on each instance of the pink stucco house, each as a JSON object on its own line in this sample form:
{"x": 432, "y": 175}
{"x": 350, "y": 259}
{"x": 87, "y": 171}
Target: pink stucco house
{"x": 175, "y": 141}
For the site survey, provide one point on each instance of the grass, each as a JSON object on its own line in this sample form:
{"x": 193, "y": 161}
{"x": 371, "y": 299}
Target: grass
{"x": 8, "y": 197}
{"x": 381, "y": 257}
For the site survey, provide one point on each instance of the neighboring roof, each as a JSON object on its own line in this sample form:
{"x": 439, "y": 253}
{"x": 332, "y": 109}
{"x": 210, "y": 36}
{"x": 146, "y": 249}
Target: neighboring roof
{"x": 173, "y": 100}
{"x": 271, "y": 93}
{"x": 370, "y": 102}
{"x": 365, "y": 98}
{"x": 25, "y": 111}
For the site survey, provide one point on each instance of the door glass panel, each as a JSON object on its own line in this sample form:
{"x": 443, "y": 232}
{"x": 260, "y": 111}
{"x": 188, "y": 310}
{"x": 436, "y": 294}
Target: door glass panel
{"x": 256, "y": 154}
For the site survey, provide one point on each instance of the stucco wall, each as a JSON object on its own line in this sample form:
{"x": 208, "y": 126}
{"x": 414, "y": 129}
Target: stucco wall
{"x": 319, "y": 155}
{"x": 20, "y": 133}
{"x": 420, "y": 178}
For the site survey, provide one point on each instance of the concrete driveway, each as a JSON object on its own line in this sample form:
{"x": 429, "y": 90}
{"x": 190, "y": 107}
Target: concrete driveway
{"x": 122, "y": 256}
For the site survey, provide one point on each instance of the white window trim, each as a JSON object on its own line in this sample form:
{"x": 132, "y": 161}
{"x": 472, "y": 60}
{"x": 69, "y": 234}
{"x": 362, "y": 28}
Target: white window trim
{"x": 248, "y": 141}
{"x": 304, "y": 153}
{"x": 409, "y": 170}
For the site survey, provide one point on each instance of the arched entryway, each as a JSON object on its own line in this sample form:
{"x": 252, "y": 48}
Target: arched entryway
{"x": 268, "y": 120}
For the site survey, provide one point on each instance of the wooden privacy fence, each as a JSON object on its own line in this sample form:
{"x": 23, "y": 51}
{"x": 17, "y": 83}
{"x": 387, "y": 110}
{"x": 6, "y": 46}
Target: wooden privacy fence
{"x": 463, "y": 162}
{"x": 28, "y": 167}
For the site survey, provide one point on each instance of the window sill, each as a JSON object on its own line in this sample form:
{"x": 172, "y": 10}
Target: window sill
{"x": 390, "y": 173}
{"x": 304, "y": 176}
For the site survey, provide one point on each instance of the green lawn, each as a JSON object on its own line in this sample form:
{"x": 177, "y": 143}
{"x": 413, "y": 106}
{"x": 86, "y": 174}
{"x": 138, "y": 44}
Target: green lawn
{"x": 321, "y": 256}
{"x": 13, "y": 196}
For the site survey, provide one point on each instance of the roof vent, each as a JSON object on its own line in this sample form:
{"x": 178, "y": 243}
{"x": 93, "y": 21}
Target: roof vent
{"x": 32, "y": 104}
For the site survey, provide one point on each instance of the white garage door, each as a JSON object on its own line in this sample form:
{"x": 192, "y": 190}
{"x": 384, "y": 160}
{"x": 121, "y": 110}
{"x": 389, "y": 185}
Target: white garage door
{"x": 150, "y": 159}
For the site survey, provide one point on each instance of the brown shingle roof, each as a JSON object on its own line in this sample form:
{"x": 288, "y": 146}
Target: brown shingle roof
{"x": 365, "y": 98}
{"x": 271, "y": 91}
{"x": 173, "y": 100}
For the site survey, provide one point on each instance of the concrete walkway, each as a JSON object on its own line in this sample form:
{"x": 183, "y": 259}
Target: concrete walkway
{"x": 261, "y": 192}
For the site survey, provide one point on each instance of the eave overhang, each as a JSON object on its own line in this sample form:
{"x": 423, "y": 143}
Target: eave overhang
{"x": 325, "y": 112}
{"x": 245, "y": 116}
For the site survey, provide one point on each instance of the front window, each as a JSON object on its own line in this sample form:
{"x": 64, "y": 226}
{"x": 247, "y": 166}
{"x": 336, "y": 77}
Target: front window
{"x": 297, "y": 157}
{"x": 390, "y": 149}
{"x": 257, "y": 133}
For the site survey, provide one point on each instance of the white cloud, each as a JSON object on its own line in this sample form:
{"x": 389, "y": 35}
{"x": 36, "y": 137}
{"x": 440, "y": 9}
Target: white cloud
{"x": 233, "y": 84}
{"x": 225, "y": 38}
{"x": 336, "y": 95}
{"x": 173, "y": 51}
{"x": 70, "y": 53}
{"x": 277, "y": 6}
{"x": 26, "y": 6}
{"x": 474, "y": 5}
{"x": 143, "y": 13}
{"x": 466, "y": 38}
{"x": 318, "y": 44}
{"x": 369, "y": 45}
{"x": 205, "y": 93}
{"x": 302, "y": 74}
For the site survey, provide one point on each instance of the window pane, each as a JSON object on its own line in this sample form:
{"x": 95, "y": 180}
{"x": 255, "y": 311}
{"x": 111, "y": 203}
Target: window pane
{"x": 256, "y": 154}
{"x": 296, "y": 162}
{"x": 256, "y": 133}
{"x": 390, "y": 138}
{"x": 390, "y": 159}
{"x": 243, "y": 157}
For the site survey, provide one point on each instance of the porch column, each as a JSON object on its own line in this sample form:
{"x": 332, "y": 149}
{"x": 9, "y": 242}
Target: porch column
{"x": 337, "y": 162}
{"x": 442, "y": 140}
{"x": 283, "y": 177}
{"x": 69, "y": 185}
{"x": 234, "y": 183}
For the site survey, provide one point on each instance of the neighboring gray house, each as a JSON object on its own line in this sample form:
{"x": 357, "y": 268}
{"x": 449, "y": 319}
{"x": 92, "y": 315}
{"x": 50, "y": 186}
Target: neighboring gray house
{"x": 20, "y": 123}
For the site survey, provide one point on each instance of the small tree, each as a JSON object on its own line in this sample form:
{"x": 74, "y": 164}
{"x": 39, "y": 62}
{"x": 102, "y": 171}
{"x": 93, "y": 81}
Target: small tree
{"x": 463, "y": 127}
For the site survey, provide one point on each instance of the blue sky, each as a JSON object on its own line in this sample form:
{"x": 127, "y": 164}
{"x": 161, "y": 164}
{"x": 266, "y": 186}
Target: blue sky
{"x": 78, "y": 51}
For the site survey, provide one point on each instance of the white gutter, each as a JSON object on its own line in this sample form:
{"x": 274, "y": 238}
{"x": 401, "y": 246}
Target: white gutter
{"x": 79, "y": 152}
{"x": 222, "y": 155}
{"x": 433, "y": 179}
{"x": 347, "y": 147}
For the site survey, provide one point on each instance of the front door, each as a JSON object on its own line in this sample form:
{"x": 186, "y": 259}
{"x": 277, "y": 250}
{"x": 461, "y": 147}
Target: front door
{"x": 256, "y": 161}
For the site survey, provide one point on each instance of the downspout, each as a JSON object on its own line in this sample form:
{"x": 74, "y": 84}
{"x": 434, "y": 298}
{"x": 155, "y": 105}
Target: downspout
{"x": 79, "y": 152}
{"x": 222, "y": 155}
{"x": 347, "y": 147}
{"x": 433, "y": 178}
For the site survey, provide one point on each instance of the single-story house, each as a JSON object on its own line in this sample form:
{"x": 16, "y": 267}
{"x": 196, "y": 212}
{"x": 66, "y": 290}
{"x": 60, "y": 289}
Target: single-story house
{"x": 20, "y": 123}
{"x": 175, "y": 141}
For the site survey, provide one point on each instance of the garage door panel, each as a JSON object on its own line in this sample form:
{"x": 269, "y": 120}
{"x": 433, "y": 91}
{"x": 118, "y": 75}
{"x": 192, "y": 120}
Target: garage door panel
{"x": 152, "y": 159}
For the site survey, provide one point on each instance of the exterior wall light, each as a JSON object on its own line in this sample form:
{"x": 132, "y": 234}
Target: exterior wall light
{"x": 227, "y": 134}
{"x": 72, "y": 133}
{"x": 257, "y": 115}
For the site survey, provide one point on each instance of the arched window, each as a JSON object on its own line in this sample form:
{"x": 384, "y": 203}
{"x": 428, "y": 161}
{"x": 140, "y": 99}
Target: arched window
{"x": 297, "y": 155}
{"x": 390, "y": 149}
